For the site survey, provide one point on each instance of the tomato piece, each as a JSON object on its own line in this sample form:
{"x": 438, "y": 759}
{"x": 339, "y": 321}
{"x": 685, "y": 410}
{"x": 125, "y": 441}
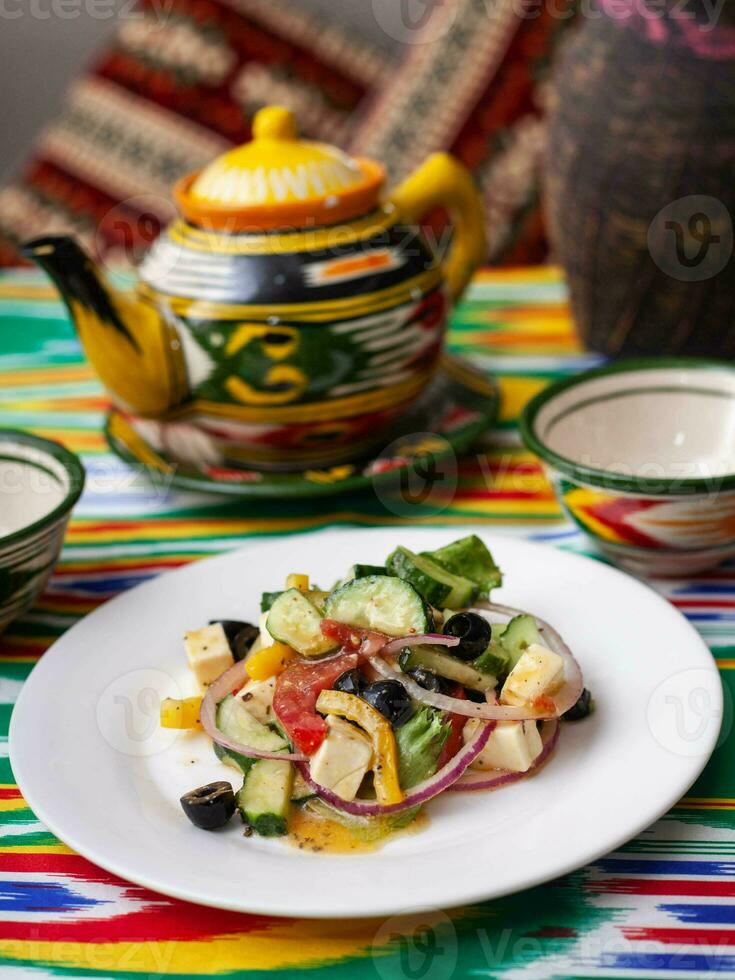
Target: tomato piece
{"x": 366, "y": 642}
{"x": 296, "y": 693}
{"x": 454, "y": 741}
{"x": 345, "y": 635}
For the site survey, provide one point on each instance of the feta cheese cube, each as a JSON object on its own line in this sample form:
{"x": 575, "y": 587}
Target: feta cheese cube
{"x": 539, "y": 671}
{"x": 343, "y": 758}
{"x": 208, "y": 652}
{"x": 513, "y": 745}
{"x": 257, "y": 696}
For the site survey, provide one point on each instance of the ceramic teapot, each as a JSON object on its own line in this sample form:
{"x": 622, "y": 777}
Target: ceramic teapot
{"x": 289, "y": 314}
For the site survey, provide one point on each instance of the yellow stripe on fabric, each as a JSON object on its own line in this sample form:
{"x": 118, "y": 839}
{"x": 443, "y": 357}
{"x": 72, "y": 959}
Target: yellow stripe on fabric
{"x": 11, "y": 290}
{"x": 171, "y": 530}
{"x": 59, "y": 374}
{"x": 515, "y": 392}
{"x": 530, "y": 274}
{"x": 706, "y": 803}
{"x": 275, "y": 947}
{"x": 36, "y": 849}
{"x": 6, "y": 806}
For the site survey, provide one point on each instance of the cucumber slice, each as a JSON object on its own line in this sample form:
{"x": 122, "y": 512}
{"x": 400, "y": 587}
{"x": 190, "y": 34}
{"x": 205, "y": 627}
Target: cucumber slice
{"x": 295, "y": 620}
{"x": 301, "y": 792}
{"x": 267, "y": 599}
{"x": 265, "y": 797}
{"x": 446, "y": 666}
{"x": 318, "y": 597}
{"x": 235, "y": 721}
{"x": 438, "y": 586}
{"x": 494, "y": 660}
{"x": 518, "y": 635}
{"x": 363, "y": 571}
{"x": 470, "y": 558}
{"x": 380, "y": 602}
{"x": 233, "y": 759}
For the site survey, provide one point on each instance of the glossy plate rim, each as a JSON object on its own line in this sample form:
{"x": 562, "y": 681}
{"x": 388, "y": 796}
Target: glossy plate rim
{"x": 35, "y": 775}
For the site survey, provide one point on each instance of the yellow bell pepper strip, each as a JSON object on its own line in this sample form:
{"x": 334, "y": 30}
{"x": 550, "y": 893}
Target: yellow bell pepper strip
{"x": 269, "y": 661}
{"x": 296, "y": 581}
{"x": 385, "y": 768}
{"x": 181, "y": 714}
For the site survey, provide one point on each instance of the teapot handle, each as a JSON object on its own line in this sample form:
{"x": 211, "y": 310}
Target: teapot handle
{"x": 442, "y": 181}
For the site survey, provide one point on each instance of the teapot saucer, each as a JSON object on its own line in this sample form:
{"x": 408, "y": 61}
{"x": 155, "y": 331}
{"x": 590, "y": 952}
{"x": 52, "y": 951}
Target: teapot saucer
{"x": 459, "y": 404}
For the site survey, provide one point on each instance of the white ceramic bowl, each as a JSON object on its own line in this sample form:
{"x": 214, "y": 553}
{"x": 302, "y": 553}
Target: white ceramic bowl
{"x": 642, "y": 456}
{"x": 40, "y": 482}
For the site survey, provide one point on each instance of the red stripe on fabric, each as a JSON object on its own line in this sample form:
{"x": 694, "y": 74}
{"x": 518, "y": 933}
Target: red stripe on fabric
{"x": 668, "y": 886}
{"x": 160, "y": 918}
{"x": 12, "y": 651}
{"x": 691, "y": 937}
{"x": 120, "y": 568}
{"x": 500, "y": 495}
{"x": 707, "y": 603}
{"x": 67, "y": 864}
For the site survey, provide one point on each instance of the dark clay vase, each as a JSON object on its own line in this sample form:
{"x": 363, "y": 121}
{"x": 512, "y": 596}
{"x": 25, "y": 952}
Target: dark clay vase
{"x": 641, "y": 178}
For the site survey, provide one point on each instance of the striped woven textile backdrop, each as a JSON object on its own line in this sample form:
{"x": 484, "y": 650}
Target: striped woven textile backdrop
{"x": 664, "y": 905}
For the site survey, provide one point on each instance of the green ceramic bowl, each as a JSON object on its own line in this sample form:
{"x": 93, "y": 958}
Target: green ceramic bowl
{"x": 40, "y": 482}
{"x": 642, "y": 456}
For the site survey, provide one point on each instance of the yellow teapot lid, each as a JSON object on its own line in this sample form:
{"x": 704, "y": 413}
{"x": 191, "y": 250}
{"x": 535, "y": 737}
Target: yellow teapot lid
{"x": 280, "y": 181}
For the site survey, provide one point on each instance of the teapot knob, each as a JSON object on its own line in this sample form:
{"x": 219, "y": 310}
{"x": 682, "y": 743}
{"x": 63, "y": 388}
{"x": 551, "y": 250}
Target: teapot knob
{"x": 275, "y": 123}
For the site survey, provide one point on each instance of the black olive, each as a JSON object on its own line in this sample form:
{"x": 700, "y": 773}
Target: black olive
{"x": 474, "y": 634}
{"x": 210, "y": 806}
{"x": 351, "y": 682}
{"x": 477, "y": 696}
{"x": 582, "y": 707}
{"x": 243, "y": 641}
{"x": 240, "y": 635}
{"x": 391, "y": 699}
{"x": 428, "y": 680}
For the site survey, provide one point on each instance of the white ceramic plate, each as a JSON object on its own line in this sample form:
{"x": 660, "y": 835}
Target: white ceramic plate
{"x": 95, "y": 768}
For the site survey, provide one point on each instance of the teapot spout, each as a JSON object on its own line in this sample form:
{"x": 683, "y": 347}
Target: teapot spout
{"x": 132, "y": 349}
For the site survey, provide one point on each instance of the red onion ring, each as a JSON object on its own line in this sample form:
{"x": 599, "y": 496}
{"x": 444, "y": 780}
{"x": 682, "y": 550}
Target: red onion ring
{"x": 456, "y": 706}
{"x": 476, "y": 780}
{"x": 232, "y": 680}
{"x": 419, "y": 794}
{"x": 423, "y": 639}
{"x": 563, "y": 700}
